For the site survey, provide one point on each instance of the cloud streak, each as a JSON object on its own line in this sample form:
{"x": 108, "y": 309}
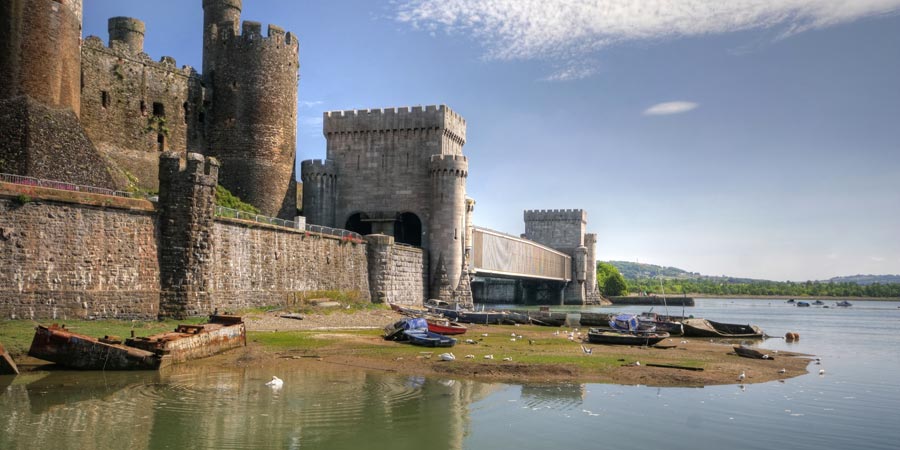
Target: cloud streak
{"x": 565, "y": 31}
{"x": 668, "y": 108}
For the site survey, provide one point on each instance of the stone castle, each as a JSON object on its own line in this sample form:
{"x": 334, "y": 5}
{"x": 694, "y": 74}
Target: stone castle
{"x": 107, "y": 115}
{"x": 100, "y": 115}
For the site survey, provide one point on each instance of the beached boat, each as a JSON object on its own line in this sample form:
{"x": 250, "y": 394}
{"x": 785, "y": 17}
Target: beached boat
{"x": 187, "y": 342}
{"x": 426, "y": 338}
{"x": 748, "y": 352}
{"x": 802, "y": 304}
{"x": 484, "y": 317}
{"x": 445, "y": 326}
{"x": 77, "y": 351}
{"x": 613, "y": 337}
{"x": 661, "y": 323}
{"x": 818, "y": 303}
{"x": 708, "y": 328}
{"x": 7, "y": 365}
{"x": 843, "y": 303}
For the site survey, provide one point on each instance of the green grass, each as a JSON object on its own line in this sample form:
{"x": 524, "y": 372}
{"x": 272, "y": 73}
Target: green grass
{"x": 16, "y": 335}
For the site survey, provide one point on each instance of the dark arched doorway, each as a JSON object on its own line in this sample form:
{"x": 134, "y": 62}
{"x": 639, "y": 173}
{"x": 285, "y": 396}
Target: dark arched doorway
{"x": 356, "y": 224}
{"x": 408, "y": 229}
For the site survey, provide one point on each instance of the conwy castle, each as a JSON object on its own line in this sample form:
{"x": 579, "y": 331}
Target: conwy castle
{"x": 83, "y": 121}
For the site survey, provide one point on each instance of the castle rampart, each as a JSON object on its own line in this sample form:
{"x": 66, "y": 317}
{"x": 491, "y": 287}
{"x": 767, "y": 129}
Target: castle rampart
{"x": 431, "y": 117}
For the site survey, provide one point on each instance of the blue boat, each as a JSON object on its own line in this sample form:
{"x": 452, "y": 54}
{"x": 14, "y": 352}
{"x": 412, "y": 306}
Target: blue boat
{"x": 843, "y": 303}
{"x": 802, "y": 304}
{"x": 415, "y": 331}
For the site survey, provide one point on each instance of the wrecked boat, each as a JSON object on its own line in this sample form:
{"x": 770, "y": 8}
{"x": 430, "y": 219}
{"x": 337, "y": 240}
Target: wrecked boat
{"x": 7, "y": 365}
{"x": 77, "y": 351}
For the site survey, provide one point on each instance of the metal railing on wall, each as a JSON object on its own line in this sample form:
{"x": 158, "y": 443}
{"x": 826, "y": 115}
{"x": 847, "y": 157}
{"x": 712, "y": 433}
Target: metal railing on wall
{"x": 60, "y": 185}
{"x": 345, "y": 235}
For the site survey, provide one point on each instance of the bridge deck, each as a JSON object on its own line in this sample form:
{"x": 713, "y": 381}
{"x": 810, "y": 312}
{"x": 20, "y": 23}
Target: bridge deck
{"x": 503, "y": 255}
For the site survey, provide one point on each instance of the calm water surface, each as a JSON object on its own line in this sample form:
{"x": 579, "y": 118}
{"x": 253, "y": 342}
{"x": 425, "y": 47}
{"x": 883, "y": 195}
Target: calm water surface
{"x": 856, "y": 404}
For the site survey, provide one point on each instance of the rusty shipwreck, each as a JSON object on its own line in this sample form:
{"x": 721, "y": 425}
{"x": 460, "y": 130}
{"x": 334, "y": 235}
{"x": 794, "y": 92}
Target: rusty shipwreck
{"x": 187, "y": 342}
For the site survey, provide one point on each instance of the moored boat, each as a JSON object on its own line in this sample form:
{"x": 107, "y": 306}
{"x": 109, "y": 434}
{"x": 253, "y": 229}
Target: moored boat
{"x": 661, "y": 323}
{"x": 425, "y": 338}
{"x": 843, "y": 303}
{"x": 445, "y": 326}
{"x": 748, "y": 352}
{"x": 708, "y": 328}
{"x": 802, "y": 304}
{"x": 613, "y": 337}
{"x": 818, "y": 303}
{"x": 187, "y": 342}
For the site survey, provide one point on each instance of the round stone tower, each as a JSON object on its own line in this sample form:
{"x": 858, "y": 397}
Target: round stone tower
{"x": 447, "y": 224}
{"x": 319, "y": 191}
{"x": 127, "y": 31}
{"x": 252, "y": 115}
{"x": 215, "y": 13}
{"x": 40, "y": 51}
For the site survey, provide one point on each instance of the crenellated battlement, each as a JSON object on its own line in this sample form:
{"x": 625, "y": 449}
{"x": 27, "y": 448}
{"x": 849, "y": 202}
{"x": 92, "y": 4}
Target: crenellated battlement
{"x": 171, "y": 165}
{"x": 590, "y": 239}
{"x": 122, "y": 50}
{"x": 457, "y": 165}
{"x": 437, "y": 117}
{"x": 312, "y": 169}
{"x": 226, "y": 32}
{"x": 545, "y": 215}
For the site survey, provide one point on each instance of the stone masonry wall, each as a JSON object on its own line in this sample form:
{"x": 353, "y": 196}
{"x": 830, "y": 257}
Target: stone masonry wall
{"x": 67, "y": 261}
{"x": 258, "y": 265}
{"x": 397, "y": 273}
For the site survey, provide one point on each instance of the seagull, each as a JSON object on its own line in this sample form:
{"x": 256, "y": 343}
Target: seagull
{"x": 742, "y": 376}
{"x": 469, "y": 341}
{"x": 513, "y": 334}
{"x": 588, "y": 351}
{"x": 782, "y": 371}
{"x": 512, "y": 339}
{"x": 571, "y": 338}
{"x": 765, "y": 357}
{"x": 821, "y": 371}
{"x": 447, "y": 357}
{"x": 484, "y": 335}
{"x": 556, "y": 333}
{"x": 507, "y": 358}
{"x": 488, "y": 356}
{"x": 637, "y": 363}
{"x": 276, "y": 382}
{"x": 519, "y": 337}
{"x": 470, "y": 356}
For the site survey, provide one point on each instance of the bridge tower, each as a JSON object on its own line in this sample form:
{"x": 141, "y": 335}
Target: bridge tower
{"x": 448, "y": 224}
{"x": 564, "y": 230}
{"x": 252, "y": 117}
{"x": 319, "y": 184}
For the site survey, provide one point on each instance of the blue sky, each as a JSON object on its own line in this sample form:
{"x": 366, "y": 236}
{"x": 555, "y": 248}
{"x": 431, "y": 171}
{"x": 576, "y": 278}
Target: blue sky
{"x": 745, "y": 138}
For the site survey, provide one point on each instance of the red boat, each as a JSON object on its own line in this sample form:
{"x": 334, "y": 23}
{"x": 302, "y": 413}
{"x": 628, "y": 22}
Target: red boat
{"x": 444, "y": 326}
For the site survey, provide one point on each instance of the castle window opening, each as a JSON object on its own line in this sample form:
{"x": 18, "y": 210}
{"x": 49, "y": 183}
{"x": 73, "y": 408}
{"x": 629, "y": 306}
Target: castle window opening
{"x": 159, "y": 110}
{"x": 408, "y": 229}
{"x": 104, "y": 99}
{"x": 187, "y": 111}
{"x": 161, "y": 141}
{"x": 143, "y": 108}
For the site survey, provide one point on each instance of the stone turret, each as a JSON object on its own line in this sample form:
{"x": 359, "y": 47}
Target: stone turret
{"x": 127, "y": 32}
{"x": 252, "y": 119}
{"x": 319, "y": 183}
{"x": 448, "y": 218}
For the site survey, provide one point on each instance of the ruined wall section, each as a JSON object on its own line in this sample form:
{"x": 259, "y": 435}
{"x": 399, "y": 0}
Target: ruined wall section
{"x": 74, "y": 260}
{"x": 252, "y": 119}
{"x": 133, "y": 107}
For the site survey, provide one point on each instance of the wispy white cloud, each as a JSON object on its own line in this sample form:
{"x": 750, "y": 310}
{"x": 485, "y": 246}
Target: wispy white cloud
{"x": 310, "y": 103}
{"x": 877, "y": 258}
{"x": 565, "y": 31}
{"x": 663, "y": 109}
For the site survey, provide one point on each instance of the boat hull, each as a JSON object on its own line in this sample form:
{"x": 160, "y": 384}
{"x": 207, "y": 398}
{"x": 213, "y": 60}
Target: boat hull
{"x": 446, "y": 327}
{"x": 617, "y": 338}
{"x": 425, "y": 338}
{"x": 190, "y": 342}
{"x": 77, "y": 351}
{"x": 7, "y": 365}
{"x": 708, "y": 328}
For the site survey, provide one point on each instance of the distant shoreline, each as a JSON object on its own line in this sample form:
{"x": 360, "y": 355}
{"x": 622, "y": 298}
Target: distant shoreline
{"x": 787, "y": 297}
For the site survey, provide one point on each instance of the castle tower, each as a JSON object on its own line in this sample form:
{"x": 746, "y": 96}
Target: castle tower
{"x": 563, "y": 230}
{"x": 252, "y": 117}
{"x": 128, "y": 32}
{"x": 40, "y": 51}
{"x": 590, "y": 282}
{"x": 448, "y": 218}
{"x": 215, "y": 13}
{"x": 319, "y": 183}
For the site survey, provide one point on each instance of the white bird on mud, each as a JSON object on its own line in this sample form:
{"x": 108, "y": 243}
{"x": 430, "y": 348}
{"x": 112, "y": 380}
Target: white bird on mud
{"x": 447, "y": 357}
{"x": 587, "y": 351}
{"x": 821, "y": 371}
{"x": 470, "y": 356}
{"x": 782, "y": 371}
{"x": 275, "y": 382}
{"x": 508, "y": 358}
{"x": 513, "y": 334}
{"x": 742, "y": 376}
{"x": 469, "y": 341}
{"x": 484, "y": 335}
{"x": 488, "y": 356}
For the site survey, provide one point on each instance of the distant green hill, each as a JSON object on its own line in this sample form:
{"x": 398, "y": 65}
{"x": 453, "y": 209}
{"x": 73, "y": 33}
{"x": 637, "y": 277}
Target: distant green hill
{"x": 641, "y": 277}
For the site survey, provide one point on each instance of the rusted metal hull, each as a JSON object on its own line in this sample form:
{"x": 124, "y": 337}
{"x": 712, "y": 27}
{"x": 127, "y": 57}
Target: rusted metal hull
{"x": 7, "y": 365}
{"x": 189, "y": 342}
{"x": 77, "y": 351}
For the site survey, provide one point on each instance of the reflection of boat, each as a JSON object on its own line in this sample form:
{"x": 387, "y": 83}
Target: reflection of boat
{"x": 613, "y": 337}
{"x": 748, "y": 352}
{"x": 818, "y": 303}
{"x": 7, "y": 365}
{"x": 843, "y": 303}
{"x": 59, "y": 345}
{"x": 790, "y": 301}
{"x": 708, "y": 328}
{"x": 802, "y": 304}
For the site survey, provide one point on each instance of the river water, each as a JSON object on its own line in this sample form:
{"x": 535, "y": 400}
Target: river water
{"x": 855, "y": 404}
